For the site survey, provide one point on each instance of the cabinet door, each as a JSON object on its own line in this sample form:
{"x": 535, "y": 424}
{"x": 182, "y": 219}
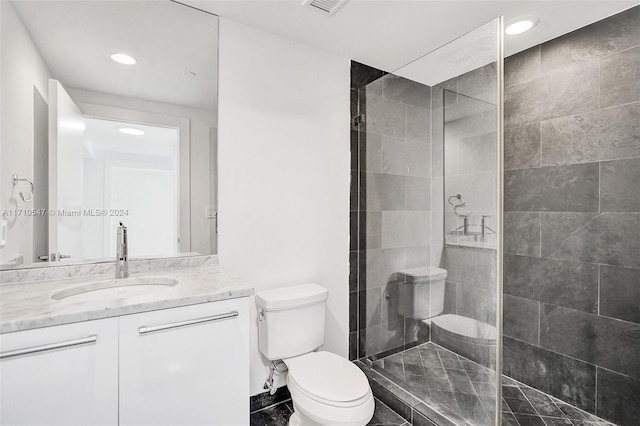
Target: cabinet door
{"x": 61, "y": 375}
{"x": 186, "y": 366}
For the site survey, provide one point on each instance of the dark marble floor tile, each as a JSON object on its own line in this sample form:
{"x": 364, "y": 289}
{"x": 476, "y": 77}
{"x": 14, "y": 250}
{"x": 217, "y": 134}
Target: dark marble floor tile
{"x": 471, "y": 408}
{"x": 616, "y": 177}
{"x": 522, "y": 66}
{"x": 592, "y": 242}
{"x": 454, "y": 363}
{"x": 385, "y": 416}
{"x": 570, "y": 284}
{"x": 276, "y": 415}
{"x": 543, "y": 404}
{"x": 591, "y": 338}
{"x": 620, "y": 78}
{"x": 602, "y": 38}
{"x": 421, "y": 420}
{"x": 573, "y": 413}
{"x": 265, "y": 399}
{"x": 529, "y": 420}
{"x": 620, "y": 293}
{"x": 463, "y": 386}
{"x": 513, "y": 392}
{"x": 519, "y": 406}
{"x": 509, "y": 419}
{"x": 522, "y": 147}
{"x": 555, "y": 421}
{"x": 605, "y": 134}
{"x": 481, "y": 377}
{"x": 393, "y": 364}
{"x": 448, "y": 402}
{"x": 560, "y": 376}
{"x": 520, "y": 318}
{"x": 618, "y": 398}
{"x": 522, "y": 233}
{"x": 572, "y": 188}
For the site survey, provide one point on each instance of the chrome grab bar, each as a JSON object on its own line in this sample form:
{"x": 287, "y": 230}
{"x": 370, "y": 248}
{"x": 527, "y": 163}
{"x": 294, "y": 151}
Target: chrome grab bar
{"x": 49, "y": 347}
{"x": 152, "y": 329}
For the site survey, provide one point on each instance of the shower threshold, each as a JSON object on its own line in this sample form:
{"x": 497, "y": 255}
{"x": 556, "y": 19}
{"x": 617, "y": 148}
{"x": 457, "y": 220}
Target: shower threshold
{"x": 430, "y": 385}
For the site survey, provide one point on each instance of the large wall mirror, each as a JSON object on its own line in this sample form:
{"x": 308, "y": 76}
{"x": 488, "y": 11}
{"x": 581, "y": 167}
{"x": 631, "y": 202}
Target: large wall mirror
{"x": 108, "y": 114}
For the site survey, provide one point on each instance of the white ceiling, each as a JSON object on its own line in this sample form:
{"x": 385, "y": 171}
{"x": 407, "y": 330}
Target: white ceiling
{"x": 389, "y": 34}
{"x": 76, "y": 39}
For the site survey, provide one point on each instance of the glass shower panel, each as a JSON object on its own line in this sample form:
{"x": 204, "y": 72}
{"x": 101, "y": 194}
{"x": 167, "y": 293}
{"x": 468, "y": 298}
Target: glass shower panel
{"x": 429, "y": 227}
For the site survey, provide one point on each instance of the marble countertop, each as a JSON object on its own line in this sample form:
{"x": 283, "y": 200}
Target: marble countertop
{"x": 28, "y": 305}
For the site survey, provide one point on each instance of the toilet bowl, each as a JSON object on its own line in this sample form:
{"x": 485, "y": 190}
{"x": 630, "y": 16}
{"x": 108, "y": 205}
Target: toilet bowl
{"x": 326, "y": 389}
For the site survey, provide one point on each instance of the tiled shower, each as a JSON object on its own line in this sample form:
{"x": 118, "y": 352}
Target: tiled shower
{"x": 571, "y": 285}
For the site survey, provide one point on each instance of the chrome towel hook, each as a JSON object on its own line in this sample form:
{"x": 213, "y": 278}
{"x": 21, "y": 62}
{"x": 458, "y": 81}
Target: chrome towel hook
{"x": 15, "y": 179}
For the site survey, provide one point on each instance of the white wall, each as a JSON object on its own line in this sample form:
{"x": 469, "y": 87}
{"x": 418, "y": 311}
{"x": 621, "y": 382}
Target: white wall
{"x": 284, "y": 172}
{"x": 22, "y": 69}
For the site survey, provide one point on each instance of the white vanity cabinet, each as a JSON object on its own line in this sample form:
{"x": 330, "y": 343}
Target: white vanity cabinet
{"x": 180, "y": 366}
{"x": 61, "y": 375}
{"x": 186, "y": 366}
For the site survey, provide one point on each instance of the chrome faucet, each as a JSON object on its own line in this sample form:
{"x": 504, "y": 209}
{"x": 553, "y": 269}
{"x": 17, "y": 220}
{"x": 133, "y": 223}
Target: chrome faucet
{"x": 122, "y": 257}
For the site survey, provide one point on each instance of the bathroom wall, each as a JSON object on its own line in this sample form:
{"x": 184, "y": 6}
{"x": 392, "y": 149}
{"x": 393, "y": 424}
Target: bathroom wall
{"x": 572, "y": 217}
{"x": 21, "y": 76}
{"x": 284, "y": 180}
{"x": 390, "y": 207}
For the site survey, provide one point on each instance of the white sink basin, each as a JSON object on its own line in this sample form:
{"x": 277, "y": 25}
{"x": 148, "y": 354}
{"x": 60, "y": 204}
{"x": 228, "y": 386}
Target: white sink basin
{"x": 114, "y": 289}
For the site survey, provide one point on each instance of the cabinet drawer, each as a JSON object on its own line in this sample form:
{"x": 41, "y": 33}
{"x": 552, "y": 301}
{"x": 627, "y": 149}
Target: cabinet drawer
{"x": 62, "y": 375}
{"x": 186, "y": 366}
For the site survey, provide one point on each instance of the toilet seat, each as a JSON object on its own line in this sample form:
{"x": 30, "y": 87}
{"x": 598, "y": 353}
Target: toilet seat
{"x": 327, "y": 389}
{"x": 328, "y": 379}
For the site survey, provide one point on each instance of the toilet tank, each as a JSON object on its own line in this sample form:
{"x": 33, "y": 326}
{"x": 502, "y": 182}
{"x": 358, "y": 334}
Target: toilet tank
{"x": 421, "y": 292}
{"x": 291, "y": 320}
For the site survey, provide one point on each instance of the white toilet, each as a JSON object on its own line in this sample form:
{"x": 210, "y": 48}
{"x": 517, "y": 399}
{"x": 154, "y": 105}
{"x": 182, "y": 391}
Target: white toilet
{"x": 326, "y": 389}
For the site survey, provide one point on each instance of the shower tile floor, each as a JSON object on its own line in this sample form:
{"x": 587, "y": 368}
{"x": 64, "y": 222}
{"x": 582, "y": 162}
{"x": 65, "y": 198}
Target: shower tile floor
{"x": 278, "y": 415}
{"x": 463, "y": 390}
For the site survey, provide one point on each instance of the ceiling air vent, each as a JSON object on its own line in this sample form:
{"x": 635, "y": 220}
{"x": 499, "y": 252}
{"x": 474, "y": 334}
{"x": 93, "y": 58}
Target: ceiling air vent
{"x": 327, "y": 6}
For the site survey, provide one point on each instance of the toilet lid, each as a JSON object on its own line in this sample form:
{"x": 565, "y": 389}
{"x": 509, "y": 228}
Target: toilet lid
{"x": 327, "y": 376}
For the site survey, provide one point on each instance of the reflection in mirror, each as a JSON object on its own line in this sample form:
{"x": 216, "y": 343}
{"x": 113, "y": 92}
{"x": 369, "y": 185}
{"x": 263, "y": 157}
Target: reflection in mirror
{"x": 109, "y": 115}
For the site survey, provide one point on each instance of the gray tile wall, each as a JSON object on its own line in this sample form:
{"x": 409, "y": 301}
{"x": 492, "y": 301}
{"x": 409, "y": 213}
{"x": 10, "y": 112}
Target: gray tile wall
{"x": 572, "y": 217}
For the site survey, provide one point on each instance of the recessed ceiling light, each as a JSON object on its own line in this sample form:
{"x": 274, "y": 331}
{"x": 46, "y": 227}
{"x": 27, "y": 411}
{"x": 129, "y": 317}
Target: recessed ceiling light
{"x": 124, "y": 59}
{"x": 131, "y": 131}
{"x": 520, "y": 25}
